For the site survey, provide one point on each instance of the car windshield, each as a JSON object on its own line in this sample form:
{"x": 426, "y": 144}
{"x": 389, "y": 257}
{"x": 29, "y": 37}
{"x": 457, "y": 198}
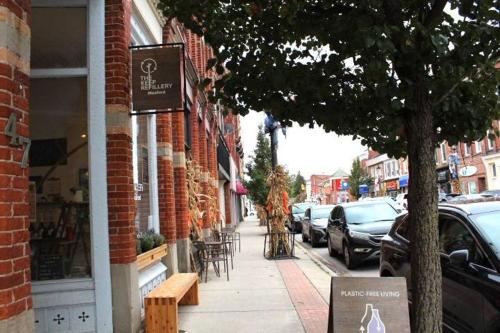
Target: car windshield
{"x": 489, "y": 227}
{"x": 320, "y": 213}
{"x": 299, "y": 209}
{"x": 370, "y": 213}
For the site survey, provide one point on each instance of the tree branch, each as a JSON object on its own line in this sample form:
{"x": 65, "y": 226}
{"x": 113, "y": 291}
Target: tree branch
{"x": 435, "y": 13}
{"x": 442, "y": 98}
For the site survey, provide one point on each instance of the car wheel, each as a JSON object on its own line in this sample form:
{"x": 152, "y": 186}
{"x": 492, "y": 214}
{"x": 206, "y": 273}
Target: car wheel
{"x": 314, "y": 240}
{"x": 305, "y": 239}
{"x": 331, "y": 251}
{"x": 348, "y": 259}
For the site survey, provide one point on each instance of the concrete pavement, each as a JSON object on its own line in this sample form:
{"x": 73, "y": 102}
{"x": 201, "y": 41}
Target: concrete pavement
{"x": 262, "y": 295}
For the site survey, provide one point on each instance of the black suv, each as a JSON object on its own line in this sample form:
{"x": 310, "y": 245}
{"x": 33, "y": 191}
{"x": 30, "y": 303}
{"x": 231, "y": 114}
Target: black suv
{"x": 469, "y": 239}
{"x": 356, "y": 228}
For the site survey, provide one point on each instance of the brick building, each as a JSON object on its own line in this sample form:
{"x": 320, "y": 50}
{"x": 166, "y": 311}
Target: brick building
{"x": 317, "y": 186}
{"x": 477, "y": 168}
{"x": 478, "y": 164}
{"x": 80, "y": 177}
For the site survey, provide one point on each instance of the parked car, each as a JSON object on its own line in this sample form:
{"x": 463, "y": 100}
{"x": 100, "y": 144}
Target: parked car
{"x": 402, "y": 200}
{"x": 491, "y": 193}
{"x": 314, "y": 224}
{"x": 469, "y": 240}
{"x": 465, "y": 197}
{"x": 355, "y": 229}
{"x": 294, "y": 222}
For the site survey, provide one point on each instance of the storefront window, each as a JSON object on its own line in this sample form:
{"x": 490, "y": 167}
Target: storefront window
{"x": 143, "y": 217}
{"x": 59, "y": 152}
{"x": 59, "y": 179}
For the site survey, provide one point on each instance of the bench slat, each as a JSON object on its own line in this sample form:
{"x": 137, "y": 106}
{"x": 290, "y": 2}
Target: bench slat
{"x": 175, "y": 286}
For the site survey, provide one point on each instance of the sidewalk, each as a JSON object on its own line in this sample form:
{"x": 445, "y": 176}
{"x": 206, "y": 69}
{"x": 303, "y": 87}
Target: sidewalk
{"x": 262, "y": 295}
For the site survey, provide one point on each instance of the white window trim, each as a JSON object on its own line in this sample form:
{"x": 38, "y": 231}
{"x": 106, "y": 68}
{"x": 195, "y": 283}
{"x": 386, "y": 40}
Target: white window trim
{"x": 478, "y": 147}
{"x": 467, "y": 149}
{"x": 59, "y": 3}
{"x": 444, "y": 157}
{"x": 48, "y": 73}
{"x": 97, "y": 162}
{"x": 490, "y": 142}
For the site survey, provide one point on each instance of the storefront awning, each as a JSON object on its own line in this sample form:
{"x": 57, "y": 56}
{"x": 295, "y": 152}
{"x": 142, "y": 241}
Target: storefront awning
{"x": 240, "y": 188}
{"x": 403, "y": 181}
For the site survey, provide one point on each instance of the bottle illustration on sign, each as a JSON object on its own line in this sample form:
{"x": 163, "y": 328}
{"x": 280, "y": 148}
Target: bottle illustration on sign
{"x": 373, "y": 323}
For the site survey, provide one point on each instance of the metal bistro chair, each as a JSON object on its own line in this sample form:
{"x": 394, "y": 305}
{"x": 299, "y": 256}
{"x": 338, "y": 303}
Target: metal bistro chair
{"x": 228, "y": 243}
{"x": 213, "y": 252}
{"x": 235, "y": 236}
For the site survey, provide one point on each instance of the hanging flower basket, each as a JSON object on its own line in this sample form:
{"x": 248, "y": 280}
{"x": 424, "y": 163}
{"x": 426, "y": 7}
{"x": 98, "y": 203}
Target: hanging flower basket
{"x": 147, "y": 258}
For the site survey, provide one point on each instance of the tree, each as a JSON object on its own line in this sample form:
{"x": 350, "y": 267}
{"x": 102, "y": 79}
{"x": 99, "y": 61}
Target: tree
{"x": 258, "y": 169}
{"x": 298, "y": 187}
{"x": 403, "y": 75}
{"x": 358, "y": 176}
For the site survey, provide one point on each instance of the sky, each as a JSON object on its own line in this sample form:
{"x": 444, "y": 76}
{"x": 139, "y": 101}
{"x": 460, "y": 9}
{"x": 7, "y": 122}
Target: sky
{"x": 310, "y": 151}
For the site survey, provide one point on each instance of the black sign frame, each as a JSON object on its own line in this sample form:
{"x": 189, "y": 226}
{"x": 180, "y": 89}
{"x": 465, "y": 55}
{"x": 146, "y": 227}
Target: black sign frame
{"x": 183, "y": 60}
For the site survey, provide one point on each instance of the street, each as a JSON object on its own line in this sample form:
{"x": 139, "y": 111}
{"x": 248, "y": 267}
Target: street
{"x": 367, "y": 269}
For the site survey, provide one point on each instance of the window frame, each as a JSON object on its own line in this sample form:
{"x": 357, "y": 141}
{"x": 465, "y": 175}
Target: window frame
{"x": 478, "y": 146}
{"x": 467, "y": 149}
{"x": 444, "y": 155}
{"x": 490, "y": 142}
{"x": 478, "y": 244}
{"x": 405, "y": 220}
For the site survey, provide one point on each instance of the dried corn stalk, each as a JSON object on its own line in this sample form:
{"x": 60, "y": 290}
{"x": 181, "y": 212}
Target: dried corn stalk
{"x": 193, "y": 186}
{"x": 277, "y": 208}
{"x": 212, "y": 207}
{"x": 261, "y": 214}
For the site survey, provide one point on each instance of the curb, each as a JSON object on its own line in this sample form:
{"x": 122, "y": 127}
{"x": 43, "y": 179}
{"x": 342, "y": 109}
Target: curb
{"x": 319, "y": 261}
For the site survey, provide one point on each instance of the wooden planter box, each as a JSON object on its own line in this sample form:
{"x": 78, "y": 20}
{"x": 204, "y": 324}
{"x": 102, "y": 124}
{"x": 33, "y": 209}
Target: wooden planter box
{"x": 147, "y": 258}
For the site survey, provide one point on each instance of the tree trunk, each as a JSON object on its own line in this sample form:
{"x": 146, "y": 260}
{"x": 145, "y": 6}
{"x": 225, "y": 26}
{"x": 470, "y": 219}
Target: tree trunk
{"x": 422, "y": 206}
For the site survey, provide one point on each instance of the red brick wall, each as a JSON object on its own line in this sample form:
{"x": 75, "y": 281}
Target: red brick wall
{"x": 474, "y": 159}
{"x": 317, "y": 183}
{"x": 166, "y": 200}
{"x": 227, "y": 203}
{"x": 180, "y": 185}
{"x": 121, "y": 204}
{"x": 15, "y": 274}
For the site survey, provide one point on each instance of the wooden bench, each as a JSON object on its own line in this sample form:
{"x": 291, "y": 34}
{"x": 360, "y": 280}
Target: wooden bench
{"x": 161, "y": 303}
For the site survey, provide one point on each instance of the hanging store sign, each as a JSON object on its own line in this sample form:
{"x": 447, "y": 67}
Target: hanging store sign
{"x": 391, "y": 185}
{"x": 158, "y": 78}
{"x": 368, "y": 305}
{"x": 467, "y": 171}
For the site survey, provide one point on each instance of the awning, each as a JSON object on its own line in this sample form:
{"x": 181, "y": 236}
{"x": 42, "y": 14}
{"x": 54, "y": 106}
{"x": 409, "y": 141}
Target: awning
{"x": 363, "y": 189}
{"x": 403, "y": 181}
{"x": 240, "y": 188}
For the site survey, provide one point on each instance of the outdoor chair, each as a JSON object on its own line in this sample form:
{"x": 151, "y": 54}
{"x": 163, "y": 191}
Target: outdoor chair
{"x": 228, "y": 242}
{"x": 235, "y": 236}
{"x": 213, "y": 252}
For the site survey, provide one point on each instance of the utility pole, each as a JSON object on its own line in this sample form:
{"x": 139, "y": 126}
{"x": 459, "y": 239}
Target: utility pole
{"x": 274, "y": 148}
{"x": 271, "y": 127}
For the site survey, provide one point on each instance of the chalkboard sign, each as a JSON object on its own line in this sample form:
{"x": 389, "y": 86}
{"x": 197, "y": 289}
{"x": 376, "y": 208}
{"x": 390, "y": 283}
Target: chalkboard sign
{"x": 368, "y": 305}
{"x": 50, "y": 267}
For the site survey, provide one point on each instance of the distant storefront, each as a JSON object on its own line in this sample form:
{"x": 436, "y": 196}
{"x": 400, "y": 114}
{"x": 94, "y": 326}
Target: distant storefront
{"x": 391, "y": 187}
